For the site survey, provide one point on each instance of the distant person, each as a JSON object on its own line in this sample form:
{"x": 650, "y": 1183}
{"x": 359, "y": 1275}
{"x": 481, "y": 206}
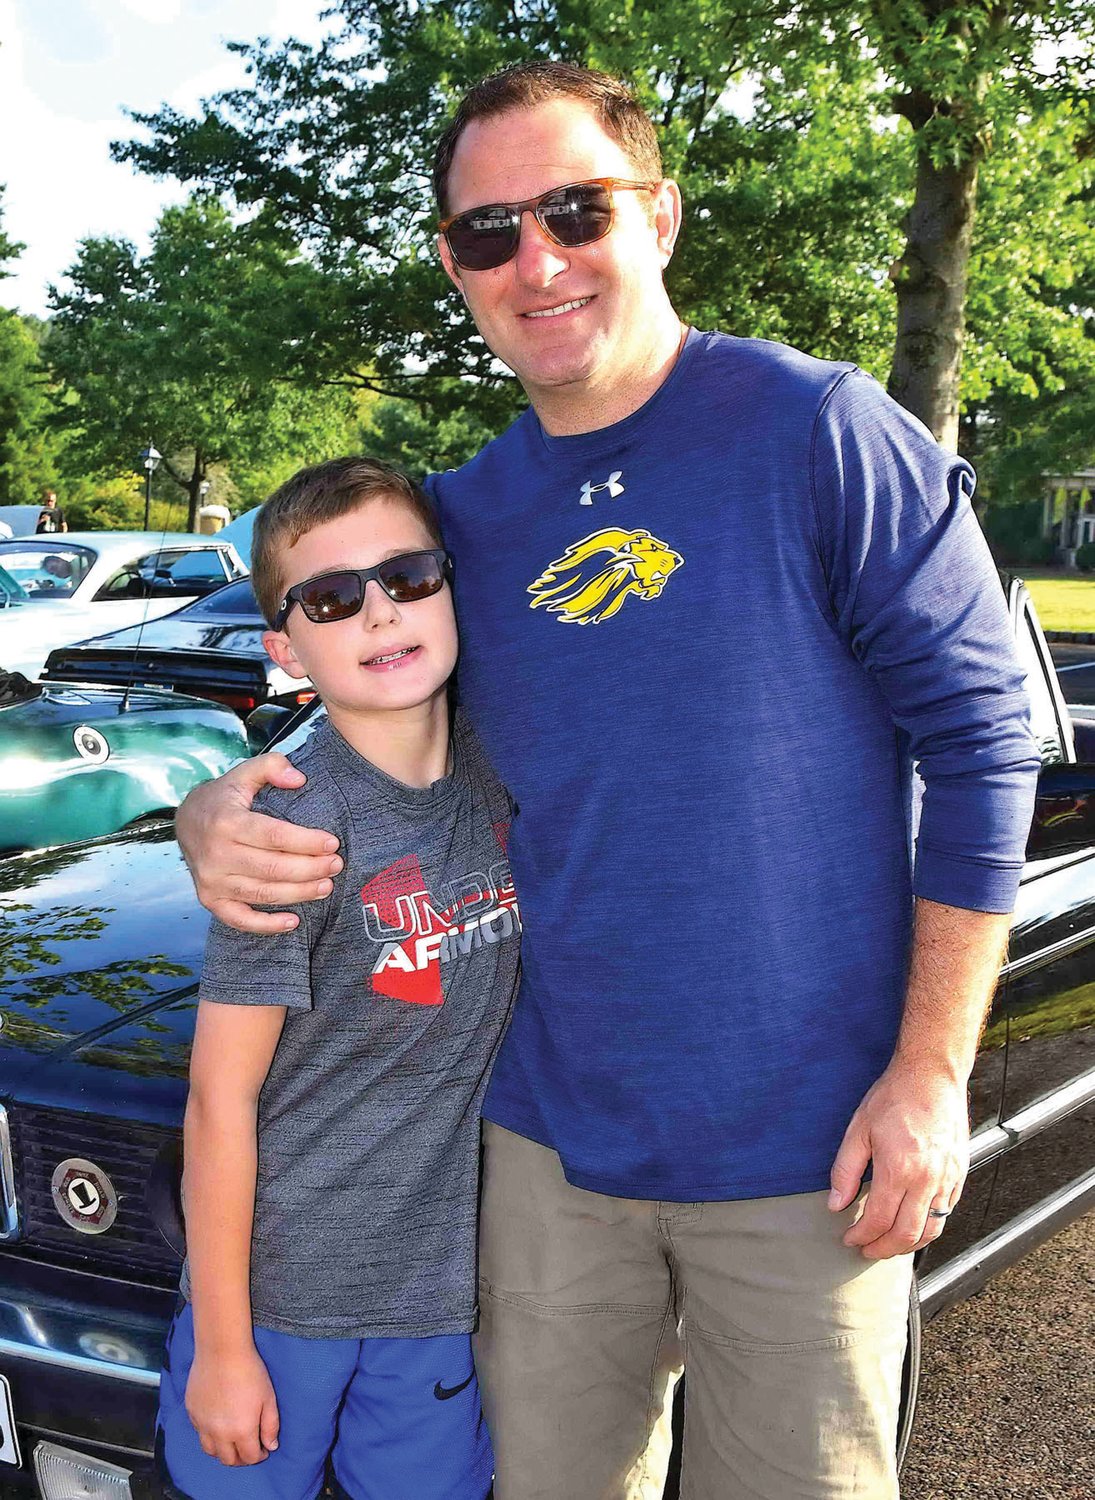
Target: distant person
{"x": 52, "y": 517}
{"x": 332, "y": 1131}
{"x": 59, "y": 568}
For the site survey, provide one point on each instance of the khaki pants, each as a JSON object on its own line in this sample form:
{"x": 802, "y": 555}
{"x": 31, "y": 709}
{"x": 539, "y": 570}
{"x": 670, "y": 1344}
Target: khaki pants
{"x": 591, "y": 1304}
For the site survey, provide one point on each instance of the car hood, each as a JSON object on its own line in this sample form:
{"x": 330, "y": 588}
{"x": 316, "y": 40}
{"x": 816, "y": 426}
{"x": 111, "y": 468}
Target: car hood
{"x": 188, "y": 634}
{"x": 100, "y": 952}
{"x": 58, "y": 705}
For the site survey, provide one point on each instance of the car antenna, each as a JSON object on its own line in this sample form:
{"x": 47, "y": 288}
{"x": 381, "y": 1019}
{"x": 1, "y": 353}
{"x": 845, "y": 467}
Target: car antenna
{"x": 150, "y": 458}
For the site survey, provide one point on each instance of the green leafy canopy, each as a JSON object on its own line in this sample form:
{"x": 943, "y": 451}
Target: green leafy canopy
{"x": 200, "y": 345}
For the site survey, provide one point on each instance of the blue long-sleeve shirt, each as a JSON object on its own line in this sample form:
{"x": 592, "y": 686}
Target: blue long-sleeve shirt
{"x": 703, "y": 647}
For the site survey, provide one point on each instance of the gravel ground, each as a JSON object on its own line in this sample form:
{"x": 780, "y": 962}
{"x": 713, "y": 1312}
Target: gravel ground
{"x": 1007, "y": 1396}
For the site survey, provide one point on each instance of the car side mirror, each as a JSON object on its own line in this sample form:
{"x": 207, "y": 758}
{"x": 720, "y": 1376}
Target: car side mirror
{"x": 1064, "y": 811}
{"x": 264, "y": 722}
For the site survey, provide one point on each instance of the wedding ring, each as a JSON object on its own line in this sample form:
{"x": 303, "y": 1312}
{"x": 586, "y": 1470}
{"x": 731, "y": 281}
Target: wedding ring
{"x": 938, "y": 1213}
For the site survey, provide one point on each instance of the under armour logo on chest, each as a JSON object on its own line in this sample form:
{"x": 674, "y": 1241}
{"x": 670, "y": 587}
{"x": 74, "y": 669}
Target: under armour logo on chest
{"x": 612, "y": 485}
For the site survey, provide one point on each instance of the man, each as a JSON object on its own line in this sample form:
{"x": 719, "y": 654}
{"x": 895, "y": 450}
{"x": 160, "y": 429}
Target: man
{"x": 714, "y": 595}
{"x": 51, "y": 518}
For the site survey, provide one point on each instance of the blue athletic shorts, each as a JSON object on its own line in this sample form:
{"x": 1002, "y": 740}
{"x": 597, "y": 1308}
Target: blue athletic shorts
{"x": 401, "y": 1419}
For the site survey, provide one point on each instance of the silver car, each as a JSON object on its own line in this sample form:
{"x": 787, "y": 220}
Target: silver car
{"x": 84, "y": 583}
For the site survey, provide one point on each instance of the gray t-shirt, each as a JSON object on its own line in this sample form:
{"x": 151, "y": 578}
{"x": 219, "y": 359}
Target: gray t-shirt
{"x": 398, "y": 988}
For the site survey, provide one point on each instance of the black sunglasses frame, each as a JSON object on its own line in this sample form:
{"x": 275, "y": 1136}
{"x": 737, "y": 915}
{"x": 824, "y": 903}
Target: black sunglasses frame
{"x": 609, "y": 185}
{"x": 365, "y": 576}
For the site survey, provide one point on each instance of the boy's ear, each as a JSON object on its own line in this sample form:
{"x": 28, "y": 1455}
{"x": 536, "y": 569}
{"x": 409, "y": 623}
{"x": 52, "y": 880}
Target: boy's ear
{"x": 280, "y": 650}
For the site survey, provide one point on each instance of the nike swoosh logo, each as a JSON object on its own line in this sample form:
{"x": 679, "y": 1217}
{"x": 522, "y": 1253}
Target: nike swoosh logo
{"x": 443, "y": 1395}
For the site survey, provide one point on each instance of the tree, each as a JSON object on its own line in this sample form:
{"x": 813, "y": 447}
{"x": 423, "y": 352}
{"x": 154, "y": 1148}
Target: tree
{"x": 963, "y": 73}
{"x": 25, "y": 465}
{"x": 1029, "y": 397}
{"x": 792, "y": 214}
{"x": 399, "y": 432}
{"x": 854, "y": 176}
{"x": 9, "y": 249}
{"x": 195, "y": 346}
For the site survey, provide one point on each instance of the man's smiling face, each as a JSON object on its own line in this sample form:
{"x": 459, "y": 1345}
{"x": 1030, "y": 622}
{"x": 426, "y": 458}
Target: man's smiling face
{"x": 567, "y": 321}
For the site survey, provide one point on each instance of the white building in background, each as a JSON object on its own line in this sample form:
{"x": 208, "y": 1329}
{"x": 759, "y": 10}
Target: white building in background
{"x": 1068, "y": 512}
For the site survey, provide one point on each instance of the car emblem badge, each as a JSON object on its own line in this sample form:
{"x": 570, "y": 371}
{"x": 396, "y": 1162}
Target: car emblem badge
{"x": 90, "y": 744}
{"x": 84, "y": 1196}
{"x": 612, "y": 485}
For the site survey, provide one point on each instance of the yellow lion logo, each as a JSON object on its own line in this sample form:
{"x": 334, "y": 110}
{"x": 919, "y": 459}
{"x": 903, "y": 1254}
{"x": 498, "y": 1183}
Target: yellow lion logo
{"x": 583, "y": 586}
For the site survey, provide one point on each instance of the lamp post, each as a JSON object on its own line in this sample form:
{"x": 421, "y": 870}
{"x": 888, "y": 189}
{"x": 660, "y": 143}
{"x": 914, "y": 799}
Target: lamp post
{"x": 149, "y": 461}
{"x": 197, "y": 521}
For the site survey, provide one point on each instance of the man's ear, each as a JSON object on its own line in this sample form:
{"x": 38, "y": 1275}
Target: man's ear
{"x": 668, "y": 217}
{"x": 452, "y": 270}
{"x": 279, "y": 648}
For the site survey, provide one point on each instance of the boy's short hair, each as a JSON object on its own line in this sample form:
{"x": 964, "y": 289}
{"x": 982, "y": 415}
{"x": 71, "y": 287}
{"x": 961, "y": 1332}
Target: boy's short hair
{"x": 526, "y": 85}
{"x": 321, "y": 493}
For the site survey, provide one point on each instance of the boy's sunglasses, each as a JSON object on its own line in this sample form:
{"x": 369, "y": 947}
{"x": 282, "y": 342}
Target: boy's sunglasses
{"x": 337, "y": 596}
{"x": 578, "y": 214}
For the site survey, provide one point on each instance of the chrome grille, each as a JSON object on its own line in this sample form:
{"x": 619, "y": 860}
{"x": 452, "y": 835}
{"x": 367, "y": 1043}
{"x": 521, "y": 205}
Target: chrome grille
{"x": 9, "y": 1212}
{"x": 127, "y": 1153}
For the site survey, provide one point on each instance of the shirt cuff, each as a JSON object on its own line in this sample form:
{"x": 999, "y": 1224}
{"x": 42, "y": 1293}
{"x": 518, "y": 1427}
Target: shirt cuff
{"x": 970, "y": 884}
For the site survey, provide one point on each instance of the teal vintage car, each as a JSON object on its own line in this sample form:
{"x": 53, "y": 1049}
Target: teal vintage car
{"x": 77, "y": 761}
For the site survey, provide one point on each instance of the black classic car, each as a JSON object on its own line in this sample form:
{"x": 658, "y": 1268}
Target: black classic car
{"x": 101, "y": 945}
{"x": 210, "y": 649}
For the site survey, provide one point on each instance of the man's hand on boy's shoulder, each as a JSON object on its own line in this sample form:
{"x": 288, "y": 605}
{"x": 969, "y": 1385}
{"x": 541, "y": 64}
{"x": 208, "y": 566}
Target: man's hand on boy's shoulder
{"x": 239, "y": 858}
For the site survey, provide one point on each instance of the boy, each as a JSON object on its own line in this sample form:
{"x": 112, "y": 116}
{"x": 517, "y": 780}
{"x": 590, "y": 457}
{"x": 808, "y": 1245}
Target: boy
{"x": 332, "y": 1130}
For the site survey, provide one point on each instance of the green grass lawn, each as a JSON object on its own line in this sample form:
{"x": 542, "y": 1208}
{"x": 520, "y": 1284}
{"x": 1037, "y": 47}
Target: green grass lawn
{"x": 1064, "y": 601}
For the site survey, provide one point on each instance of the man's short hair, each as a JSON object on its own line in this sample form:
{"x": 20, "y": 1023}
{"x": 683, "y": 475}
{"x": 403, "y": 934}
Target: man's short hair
{"x": 525, "y": 85}
{"x": 318, "y": 494}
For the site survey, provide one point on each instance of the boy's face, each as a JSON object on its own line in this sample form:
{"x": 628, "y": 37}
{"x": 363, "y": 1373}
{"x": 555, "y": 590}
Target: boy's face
{"x": 388, "y": 658}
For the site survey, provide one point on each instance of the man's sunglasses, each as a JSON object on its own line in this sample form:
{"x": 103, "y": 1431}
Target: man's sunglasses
{"x": 578, "y": 214}
{"x": 337, "y": 596}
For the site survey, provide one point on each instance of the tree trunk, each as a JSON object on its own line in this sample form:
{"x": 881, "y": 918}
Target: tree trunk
{"x": 194, "y": 490}
{"x": 930, "y": 280}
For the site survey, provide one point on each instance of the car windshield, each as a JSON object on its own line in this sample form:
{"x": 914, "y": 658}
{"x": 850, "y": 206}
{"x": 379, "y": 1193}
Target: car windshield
{"x": 240, "y": 532}
{"x": 11, "y": 592}
{"x": 46, "y": 572}
{"x": 237, "y": 600}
